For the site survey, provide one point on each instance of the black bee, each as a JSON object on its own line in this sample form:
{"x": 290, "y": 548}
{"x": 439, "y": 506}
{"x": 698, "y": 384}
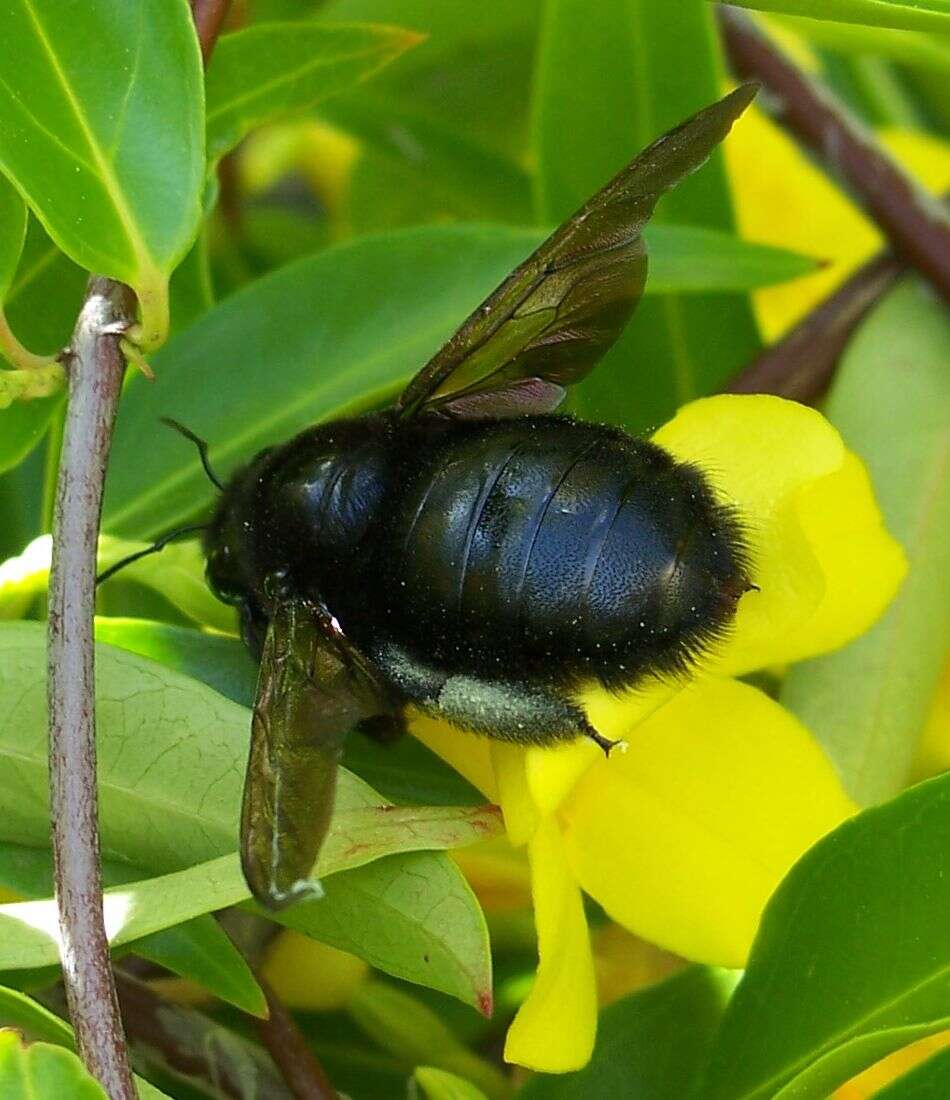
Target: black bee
{"x": 468, "y": 552}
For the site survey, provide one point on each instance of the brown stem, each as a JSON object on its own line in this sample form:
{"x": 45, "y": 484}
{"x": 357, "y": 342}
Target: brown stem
{"x": 192, "y": 1047}
{"x": 800, "y": 366}
{"x": 914, "y": 221}
{"x": 209, "y": 16}
{"x": 95, "y": 366}
{"x": 304, "y": 1075}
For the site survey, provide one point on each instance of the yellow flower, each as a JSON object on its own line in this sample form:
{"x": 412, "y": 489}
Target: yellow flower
{"x": 783, "y": 199}
{"x": 683, "y": 838}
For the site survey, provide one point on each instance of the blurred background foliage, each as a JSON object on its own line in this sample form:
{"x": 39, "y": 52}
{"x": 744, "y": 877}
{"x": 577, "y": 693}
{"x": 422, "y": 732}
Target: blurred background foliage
{"x": 382, "y": 204}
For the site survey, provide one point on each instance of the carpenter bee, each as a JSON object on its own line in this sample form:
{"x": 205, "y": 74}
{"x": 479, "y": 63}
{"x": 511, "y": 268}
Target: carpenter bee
{"x": 468, "y": 552}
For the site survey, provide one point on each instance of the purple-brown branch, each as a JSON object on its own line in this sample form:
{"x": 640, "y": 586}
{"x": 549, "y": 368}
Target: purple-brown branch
{"x": 297, "y": 1063}
{"x": 802, "y": 363}
{"x": 915, "y": 222}
{"x": 209, "y": 17}
{"x": 95, "y": 366}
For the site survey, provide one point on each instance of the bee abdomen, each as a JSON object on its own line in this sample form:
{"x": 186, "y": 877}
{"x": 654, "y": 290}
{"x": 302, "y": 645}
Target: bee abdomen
{"x": 564, "y": 549}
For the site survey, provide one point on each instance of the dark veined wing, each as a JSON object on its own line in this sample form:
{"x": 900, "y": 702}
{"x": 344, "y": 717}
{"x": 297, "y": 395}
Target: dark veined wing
{"x": 555, "y": 316}
{"x": 314, "y": 687}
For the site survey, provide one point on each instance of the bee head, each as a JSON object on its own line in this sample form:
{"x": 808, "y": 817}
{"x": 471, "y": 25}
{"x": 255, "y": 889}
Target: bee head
{"x": 232, "y": 543}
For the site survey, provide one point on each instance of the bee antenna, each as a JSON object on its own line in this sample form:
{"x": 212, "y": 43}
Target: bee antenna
{"x": 159, "y": 544}
{"x": 200, "y": 444}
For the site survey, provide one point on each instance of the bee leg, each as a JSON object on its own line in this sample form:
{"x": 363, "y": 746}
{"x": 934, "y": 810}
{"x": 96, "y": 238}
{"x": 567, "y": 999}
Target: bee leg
{"x": 604, "y": 742}
{"x": 526, "y": 714}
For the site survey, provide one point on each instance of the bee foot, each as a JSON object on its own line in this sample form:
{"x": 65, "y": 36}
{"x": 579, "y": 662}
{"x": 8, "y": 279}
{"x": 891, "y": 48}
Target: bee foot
{"x": 606, "y": 743}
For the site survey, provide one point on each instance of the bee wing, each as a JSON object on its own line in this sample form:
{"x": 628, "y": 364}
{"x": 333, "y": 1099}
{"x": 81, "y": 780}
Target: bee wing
{"x": 555, "y": 316}
{"x": 314, "y": 687}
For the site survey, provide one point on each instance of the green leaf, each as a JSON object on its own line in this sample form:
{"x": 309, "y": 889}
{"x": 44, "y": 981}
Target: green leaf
{"x": 868, "y": 702}
{"x": 328, "y": 333}
{"x": 41, "y": 307}
{"x": 222, "y": 663}
{"x": 436, "y": 1084}
{"x": 32, "y": 1019}
{"x": 928, "y": 1081}
{"x": 688, "y": 259}
{"x": 414, "y": 917}
{"x": 650, "y": 1045}
{"x": 177, "y": 573}
{"x": 171, "y": 763}
{"x": 415, "y": 169}
{"x": 198, "y": 949}
{"x": 43, "y": 1072}
{"x": 928, "y": 52}
{"x": 404, "y": 772}
{"x": 605, "y": 88}
{"x": 113, "y": 169}
{"x": 852, "y": 959}
{"x": 38, "y": 1023}
{"x": 12, "y": 234}
{"x": 412, "y": 1031}
{"x": 910, "y": 15}
{"x": 30, "y": 936}
{"x": 272, "y": 70}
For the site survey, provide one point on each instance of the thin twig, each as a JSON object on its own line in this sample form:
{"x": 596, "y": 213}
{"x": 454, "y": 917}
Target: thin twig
{"x": 304, "y": 1075}
{"x": 209, "y": 16}
{"x": 915, "y": 222}
{"x": 95, "y": 364}
{"x": 801, "y": 364}
{"x": 193, "y": 1047}
{"x": 95, "y": 367}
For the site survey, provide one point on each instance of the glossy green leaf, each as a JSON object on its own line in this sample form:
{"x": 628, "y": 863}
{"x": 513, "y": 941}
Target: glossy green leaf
{"x": 650, "y": 1045}
{"x": 404, "y": 772}
{"x": 43, "y": 1072}
{"x": 190, "y": 291}
{"x": 473, "y": 74}
{"x": 852, "y": 959}
{"x": 171, "y": 763}
{"x": 29, "y": 936}
{"x": 408, "y": 1029}
{"x": 690, "y": 259}
{"x": 39, "y": 1024}
{"x": 928, "y": 1081}
{"x": 414, "y": 168}
{"x": 271, "y": 70}
{"x": 328, "y": 332}
{"x": 12, "y": 233}
{"x": 436, "y": 1084}
{"x": 915, "y": 49}
{"x": 605, "y": 88}
{"x": 198, "y": 949}
{"x": 222, "y": 663}
{"x": 177, "y": 573}
{"x": 41, "y": 307}
{"x": 113, "y": 169}
{"x": 911, "y": 15}
{"x": 867, "y": 703}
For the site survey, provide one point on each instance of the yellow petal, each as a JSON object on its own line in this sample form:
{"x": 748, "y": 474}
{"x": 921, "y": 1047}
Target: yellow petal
{"x": 521, "y": 816}
{"x": 783, "y": 199}
{"x": 468, "y": 753}
{"x": 554, "y": 1029}
{"x": 683, "y": 839}
{"x": 863, "y": 566}
{"x": 824, "y": 563}
{"x": 553, "y": 772}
